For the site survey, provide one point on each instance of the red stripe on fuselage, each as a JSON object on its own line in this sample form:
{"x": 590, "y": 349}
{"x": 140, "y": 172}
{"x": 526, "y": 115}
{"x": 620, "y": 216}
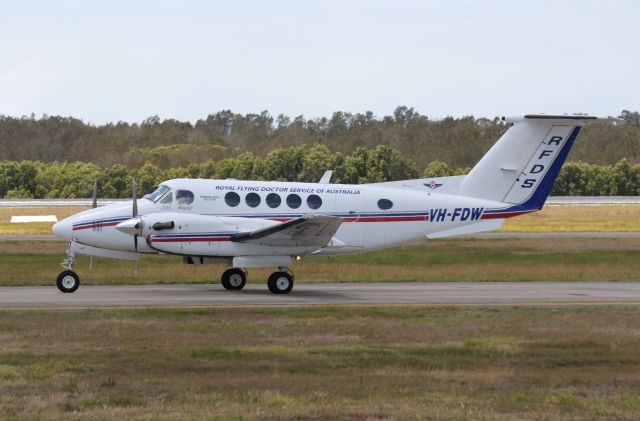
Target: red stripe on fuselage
{"x": 106, "y": 224}
{"x": 499, "y": 215}
{"x": 408, "y": 218}
{"x": 189, "y": 240}
{"x": 387, "y": 219}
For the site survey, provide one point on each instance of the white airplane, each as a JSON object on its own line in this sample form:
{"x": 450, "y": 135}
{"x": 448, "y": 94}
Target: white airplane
{"x": 249, "y": 224}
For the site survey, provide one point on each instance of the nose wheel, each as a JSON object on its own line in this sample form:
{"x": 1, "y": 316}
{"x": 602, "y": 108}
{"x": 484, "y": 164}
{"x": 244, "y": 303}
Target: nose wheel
{"x": 68, "y": 281}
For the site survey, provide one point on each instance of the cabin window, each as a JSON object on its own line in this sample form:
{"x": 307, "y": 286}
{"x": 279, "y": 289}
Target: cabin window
{"x": 294, "y": 201}
{"x": 273, "y": 200}
{"x": 252, "y": 199}
{"x": 232, "y": 199}
{"x": 314, "y": 201}
{"x": 157, "y": 193}
{"x": 167, "y": 199}
{"x": 385, "y": 204}
{"x": 184, "y": 197}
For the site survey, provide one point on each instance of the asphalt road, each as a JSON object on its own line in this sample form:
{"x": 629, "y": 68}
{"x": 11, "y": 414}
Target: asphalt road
{"x": 455, "y": 293}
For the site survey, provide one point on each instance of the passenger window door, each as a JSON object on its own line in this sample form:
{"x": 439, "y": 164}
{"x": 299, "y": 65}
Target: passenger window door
{"x": 184, "y": 200}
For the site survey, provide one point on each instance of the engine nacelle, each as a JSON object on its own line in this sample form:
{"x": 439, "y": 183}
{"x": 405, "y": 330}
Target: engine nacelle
{"x": 197, "y": 235}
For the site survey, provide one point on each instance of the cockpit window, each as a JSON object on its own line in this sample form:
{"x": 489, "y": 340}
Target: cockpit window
{"x": 167, "y": 199}
{"x": 184, "y": 197}
{"x": 157, "y": 193}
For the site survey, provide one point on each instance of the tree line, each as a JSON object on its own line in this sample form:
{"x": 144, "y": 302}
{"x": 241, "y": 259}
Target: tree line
{"x": 37, "y": 179}
{"x": 459, "y": 142}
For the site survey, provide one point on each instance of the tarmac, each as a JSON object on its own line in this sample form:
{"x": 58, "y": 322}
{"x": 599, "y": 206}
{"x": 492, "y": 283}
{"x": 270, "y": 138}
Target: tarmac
{"x": 407, "y": 294}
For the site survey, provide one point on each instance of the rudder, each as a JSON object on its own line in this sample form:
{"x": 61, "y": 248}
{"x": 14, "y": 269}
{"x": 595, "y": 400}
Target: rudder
{"x": 523, "y": 165}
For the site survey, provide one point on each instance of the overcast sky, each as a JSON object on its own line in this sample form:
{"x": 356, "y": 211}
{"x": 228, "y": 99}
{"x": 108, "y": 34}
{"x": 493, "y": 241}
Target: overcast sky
{"x": 126, "y": 60}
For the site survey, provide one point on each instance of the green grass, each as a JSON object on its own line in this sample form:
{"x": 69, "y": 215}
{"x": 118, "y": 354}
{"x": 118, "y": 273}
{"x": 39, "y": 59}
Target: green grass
{"x": 322, "y": 363}
{"x": 505, "y": 259}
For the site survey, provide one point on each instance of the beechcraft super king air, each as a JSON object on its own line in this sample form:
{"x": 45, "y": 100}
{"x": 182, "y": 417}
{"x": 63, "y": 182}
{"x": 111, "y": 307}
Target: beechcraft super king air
{"x": 249, "y": 224}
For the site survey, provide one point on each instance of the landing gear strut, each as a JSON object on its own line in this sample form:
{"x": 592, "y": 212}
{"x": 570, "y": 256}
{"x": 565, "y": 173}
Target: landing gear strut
{"x": 68, "y": 281}
{"x": 234, "y": 279}
{"x": 280, "y": 282}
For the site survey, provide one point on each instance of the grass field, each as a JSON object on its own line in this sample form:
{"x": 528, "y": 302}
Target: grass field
{"x": 322, "y": 363}
{"x": 552, "y": 218}
{"x": 571, "y": 218}
{"x": 498, "y": 259}
{"x": 36, "y": 227}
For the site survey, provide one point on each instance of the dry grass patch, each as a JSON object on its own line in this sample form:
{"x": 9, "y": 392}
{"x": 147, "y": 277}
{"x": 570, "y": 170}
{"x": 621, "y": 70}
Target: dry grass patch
{"x": 60, "y": 212}
{"x": 572, "y": 218}
{"x": 322, "y": 363}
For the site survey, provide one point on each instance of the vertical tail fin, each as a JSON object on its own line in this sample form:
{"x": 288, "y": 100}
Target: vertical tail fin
{"x": 523, "y": 165}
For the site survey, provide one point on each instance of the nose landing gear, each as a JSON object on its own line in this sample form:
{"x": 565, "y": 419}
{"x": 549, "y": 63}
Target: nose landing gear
{"x": 68, "y": 281}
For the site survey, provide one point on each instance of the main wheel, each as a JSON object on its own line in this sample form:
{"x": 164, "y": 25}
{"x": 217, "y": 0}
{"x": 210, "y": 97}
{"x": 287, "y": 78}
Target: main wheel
{"x": 68, "y": 281}
{"x": 233, "y": 279}
{"x": 280, "y": 283}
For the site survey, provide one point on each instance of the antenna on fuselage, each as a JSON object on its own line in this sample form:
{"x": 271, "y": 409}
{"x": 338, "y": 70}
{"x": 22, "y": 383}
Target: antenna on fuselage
{"x": 326, "y": 177}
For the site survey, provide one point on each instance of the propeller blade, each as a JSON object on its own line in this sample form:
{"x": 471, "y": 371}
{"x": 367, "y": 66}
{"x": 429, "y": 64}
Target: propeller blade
{"x": 135, "y": 200}
{"x": 94, "y": 204}
{"x": 138, "y": 225}
{"x": 135, "y": 246}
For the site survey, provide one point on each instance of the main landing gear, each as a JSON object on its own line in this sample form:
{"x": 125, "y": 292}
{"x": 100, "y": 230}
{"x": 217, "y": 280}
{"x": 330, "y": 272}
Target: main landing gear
{"x": 280, "y": 282}
{"x": 68, "y": 281}
{"x": 234, "y": 279}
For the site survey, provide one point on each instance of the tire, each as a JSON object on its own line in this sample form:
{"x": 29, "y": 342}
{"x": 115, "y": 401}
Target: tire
{"x": 280, "y": 283}
{"x": 68, "y": 281}
{"x": 233, "y": 279}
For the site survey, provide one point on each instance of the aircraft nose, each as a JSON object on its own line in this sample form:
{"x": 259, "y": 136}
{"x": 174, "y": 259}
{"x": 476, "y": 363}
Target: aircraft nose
{"x": 63, "y": 229}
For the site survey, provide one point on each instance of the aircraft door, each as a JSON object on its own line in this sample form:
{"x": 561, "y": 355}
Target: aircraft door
{"x": 350, "y": 205}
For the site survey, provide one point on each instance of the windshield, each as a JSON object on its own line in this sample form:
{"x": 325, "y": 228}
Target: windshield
{"x": 157, "y": 193}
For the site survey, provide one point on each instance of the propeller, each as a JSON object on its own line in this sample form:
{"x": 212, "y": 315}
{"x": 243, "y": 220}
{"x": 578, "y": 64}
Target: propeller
{"x": 94, "y": 204}
{"x": 138, "y": 225}
{"x": 134, "y": 225}
{"x": 135, "y": 215}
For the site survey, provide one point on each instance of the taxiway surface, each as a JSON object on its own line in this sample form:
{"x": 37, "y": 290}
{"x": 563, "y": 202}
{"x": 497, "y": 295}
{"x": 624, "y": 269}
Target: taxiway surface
{"x": 455, "y": 293}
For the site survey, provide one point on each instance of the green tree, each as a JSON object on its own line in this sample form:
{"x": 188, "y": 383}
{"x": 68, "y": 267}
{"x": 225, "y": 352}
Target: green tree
{"x": 387, "y": 164}
{"x": 437, "y": 169}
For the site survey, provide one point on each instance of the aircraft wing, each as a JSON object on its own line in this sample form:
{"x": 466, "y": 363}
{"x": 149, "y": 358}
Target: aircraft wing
{"x": 308, "y": 230}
